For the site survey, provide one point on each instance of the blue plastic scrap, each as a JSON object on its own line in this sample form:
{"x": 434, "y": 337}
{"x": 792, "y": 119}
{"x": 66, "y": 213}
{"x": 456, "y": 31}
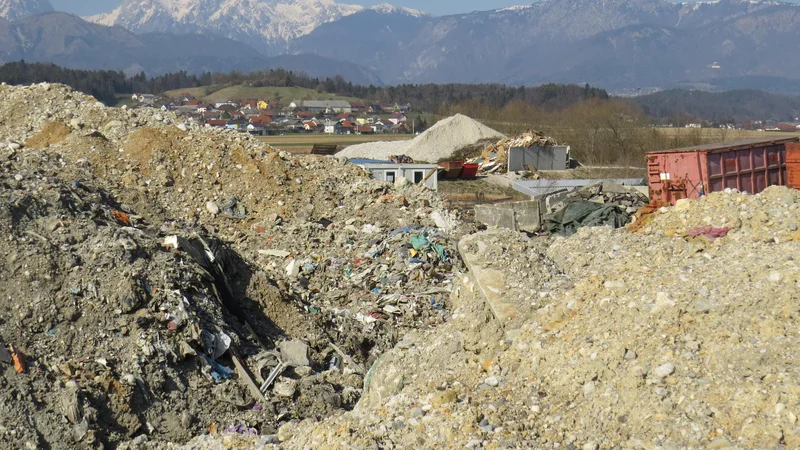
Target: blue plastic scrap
{"x": 218, "y": 371}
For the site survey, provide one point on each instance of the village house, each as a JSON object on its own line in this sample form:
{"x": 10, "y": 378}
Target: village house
{"x": 345, "y": 117}
{"x": 262, "y": 105}
{"x": 261, "y": 121}
{"x": 250, "y": 102}
{"x": 364, "y": 130}
{"x": 306, "y": 115}
{"x": 256, "y": 130}
{"x": 379, "y": 127}
{"x": 216, "y": 123}
{"x": 397, "y": 117}
{"x": 357, "y": 106}
{"x": 332, "y": 127}
{"x": 311, "y": 125}
{"x": 222, "y": 103}
{"x": 348, "y": 127}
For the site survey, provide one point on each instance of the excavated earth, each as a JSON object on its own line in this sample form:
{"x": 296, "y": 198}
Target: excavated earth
{"x": 679, "y": 332}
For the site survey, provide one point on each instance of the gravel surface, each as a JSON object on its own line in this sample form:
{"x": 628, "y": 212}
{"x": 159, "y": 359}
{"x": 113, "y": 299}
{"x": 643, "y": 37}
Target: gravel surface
{"x": 441, "y": 141}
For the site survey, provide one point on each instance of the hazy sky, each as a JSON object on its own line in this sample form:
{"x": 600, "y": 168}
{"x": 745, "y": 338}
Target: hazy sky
{"x": 435, "y": 7}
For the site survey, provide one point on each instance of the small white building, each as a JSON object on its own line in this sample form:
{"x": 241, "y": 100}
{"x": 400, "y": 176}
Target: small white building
{"x": 391, "y": 172}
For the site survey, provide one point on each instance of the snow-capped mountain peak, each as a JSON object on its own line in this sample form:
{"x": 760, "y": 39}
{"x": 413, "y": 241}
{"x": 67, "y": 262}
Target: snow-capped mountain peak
{"x": 19, "y": 9}
{"x": 267, "y": 25}
{"x": 388, "y": 8}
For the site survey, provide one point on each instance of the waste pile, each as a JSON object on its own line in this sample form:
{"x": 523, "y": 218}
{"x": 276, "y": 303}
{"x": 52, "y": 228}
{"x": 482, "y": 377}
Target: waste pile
{"x": 656, "y": 339}
{"x": 603, "y": 203}
{"x": 494, "y": 158}
{"x": 446, "y": 139}
{"x": 160, "y": 280}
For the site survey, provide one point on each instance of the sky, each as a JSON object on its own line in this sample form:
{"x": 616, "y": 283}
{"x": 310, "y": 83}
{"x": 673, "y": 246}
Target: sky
{"x": 435, "y": 7}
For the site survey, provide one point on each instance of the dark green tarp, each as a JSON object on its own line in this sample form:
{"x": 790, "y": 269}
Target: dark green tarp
{"x": 584, "y": 214}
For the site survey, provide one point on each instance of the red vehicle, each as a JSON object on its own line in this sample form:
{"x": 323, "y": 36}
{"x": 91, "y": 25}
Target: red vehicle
{"x": 749, "y": 166}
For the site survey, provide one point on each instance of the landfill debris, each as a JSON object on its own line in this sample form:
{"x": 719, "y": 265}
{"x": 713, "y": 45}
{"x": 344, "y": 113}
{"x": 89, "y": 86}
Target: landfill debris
{"x": 603, "y": 339}
{"x": 121, "y": 277}
{"x": 708, "y": 232}
{"x": 401, "y": 159}
{"x": 18, "y": 358}
{"x": 622, "y": 340}
{"x": 494, "y": 158}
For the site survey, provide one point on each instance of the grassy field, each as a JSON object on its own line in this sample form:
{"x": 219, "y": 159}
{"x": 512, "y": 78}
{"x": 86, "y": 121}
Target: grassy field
{"x": 302, "y": 143}
{"x": 286, "y": 94}
{"x": 723, "y": 135}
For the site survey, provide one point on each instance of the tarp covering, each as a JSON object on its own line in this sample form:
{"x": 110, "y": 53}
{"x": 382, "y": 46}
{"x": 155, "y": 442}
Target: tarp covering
{"x": 579, "y": 214}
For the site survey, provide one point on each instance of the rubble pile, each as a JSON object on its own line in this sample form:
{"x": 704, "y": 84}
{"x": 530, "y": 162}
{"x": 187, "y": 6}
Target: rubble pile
{"x": 165, "y": 287}
{"x": 146, "y": 294}
{"x": 446, "y": 139}
{"x": 659, "y": 340}
{"x": 601, "y": 203}
{"x": 494, "y": 157}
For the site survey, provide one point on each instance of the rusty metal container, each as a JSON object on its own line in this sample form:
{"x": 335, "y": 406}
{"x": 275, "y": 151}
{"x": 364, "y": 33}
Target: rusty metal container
{"x": 749, "y": 166}
{"x": 452, "y": 168}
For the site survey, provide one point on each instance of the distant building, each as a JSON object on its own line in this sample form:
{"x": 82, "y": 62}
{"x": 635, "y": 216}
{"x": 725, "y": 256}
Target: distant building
{"x": 391, "y": 172}
{"x": 322, "y": 106}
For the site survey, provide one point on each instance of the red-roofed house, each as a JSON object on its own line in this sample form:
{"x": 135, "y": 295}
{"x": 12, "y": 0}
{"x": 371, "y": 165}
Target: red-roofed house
{"x": 305, "y": 115}
{"x": 357, "y": 106}
{"x": 260, "y": 120}
{"x": 348, "y": 127}
{"x": 364, "y": 130}
{"x": 216, "y": 123}
{"x": 192, "y": 102}
{"x": 345, "y": 116}
{"x": 312, "y": 125}
{"x": 397, "y": 118}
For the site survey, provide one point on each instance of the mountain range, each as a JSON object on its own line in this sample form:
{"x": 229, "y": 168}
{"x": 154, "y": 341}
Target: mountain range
{"x": 615, "y": 44}
{"x": 268, "y": 26}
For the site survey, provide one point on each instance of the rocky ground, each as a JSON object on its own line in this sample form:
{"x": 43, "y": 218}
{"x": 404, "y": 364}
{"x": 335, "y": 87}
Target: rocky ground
{"x": 133, "y": 288}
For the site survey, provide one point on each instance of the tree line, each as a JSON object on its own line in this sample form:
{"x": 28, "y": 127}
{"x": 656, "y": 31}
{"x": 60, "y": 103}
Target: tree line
{"x": 106, "y": 85}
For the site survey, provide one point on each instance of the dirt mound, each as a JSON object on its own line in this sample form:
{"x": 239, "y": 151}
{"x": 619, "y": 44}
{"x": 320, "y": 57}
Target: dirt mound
{"x": 52, "y": 133}
{"x": 446, "y": 139}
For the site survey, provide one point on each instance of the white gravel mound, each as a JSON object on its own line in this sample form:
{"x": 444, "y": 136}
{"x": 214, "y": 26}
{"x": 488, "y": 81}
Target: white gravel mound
{"x": 439, "y": 142}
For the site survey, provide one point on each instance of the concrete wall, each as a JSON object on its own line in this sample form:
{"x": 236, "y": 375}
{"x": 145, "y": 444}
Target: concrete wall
{"x": 541, "y": 187}
{"x": 538, "y": 158}
{"x": 517, "y": 216}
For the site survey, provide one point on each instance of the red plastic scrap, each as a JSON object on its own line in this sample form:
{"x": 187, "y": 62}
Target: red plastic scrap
{"x": 708, "y": 232}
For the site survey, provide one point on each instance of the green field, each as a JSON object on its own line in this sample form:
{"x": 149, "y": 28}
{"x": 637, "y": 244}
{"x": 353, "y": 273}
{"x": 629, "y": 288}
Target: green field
{"x": 241, "y": 92}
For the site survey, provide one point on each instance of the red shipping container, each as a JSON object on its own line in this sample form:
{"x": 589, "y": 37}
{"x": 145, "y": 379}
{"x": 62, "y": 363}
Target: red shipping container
{"x": 469, "y": 170}
{"x": 749, "y": 166}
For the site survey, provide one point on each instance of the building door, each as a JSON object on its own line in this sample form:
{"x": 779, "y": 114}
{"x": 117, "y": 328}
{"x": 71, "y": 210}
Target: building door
{"x": 390, "y": 176}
